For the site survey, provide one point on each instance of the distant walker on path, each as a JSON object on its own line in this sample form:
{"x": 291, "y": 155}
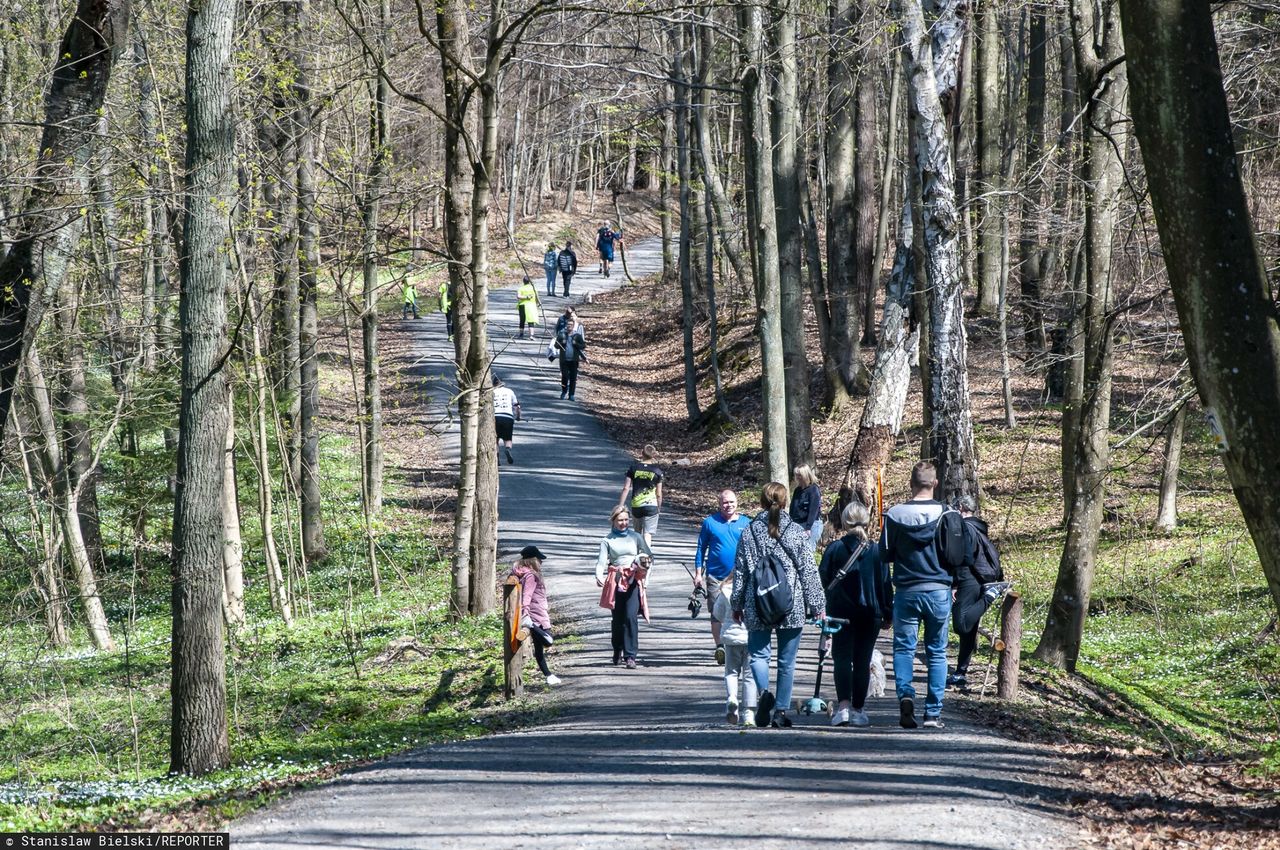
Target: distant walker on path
{"x": 568, "y": 262}
{"x": 506, "y": 410}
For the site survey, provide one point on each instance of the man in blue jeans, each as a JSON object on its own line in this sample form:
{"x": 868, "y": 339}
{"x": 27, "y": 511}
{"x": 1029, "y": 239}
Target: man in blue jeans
{"x": 922, "y": 592}
{"x": 717, "y": 549}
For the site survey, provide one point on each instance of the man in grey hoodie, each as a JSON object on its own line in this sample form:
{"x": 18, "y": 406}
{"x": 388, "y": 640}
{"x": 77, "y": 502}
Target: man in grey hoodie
{"x": 922, "y": 592}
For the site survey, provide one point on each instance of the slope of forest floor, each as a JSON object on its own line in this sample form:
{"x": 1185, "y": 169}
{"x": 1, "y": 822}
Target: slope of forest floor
{"x": 1175, "y": 709}
{"x": 84, "y": 735}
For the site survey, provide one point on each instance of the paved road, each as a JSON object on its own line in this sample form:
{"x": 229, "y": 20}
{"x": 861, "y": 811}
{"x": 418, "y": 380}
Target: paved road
{"x": 642, "y": 758}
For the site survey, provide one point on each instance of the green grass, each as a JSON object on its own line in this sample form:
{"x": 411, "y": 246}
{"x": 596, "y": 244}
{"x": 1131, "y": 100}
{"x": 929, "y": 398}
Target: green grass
{"x": 1174, "y": 624}
{"x": 84, "y": 735}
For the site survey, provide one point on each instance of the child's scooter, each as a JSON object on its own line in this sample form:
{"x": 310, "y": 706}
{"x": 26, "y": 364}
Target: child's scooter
{"x": 830, "y": 625}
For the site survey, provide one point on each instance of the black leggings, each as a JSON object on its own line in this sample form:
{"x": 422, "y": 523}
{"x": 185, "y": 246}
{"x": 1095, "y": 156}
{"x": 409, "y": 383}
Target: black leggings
{"x": 568, "y": 376}
{"x": 540, "y": 645}
{"x": 966, "y": 614}
{"x": 851, "y": 649}
{"x": 626, "y": 622}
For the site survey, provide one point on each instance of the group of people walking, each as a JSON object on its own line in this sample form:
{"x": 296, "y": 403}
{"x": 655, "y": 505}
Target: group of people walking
{"x": 907, "y": 580}
{"x": 563, "y": 262}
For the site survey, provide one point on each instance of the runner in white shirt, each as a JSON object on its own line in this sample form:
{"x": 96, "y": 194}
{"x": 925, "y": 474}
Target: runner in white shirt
{"x": 506, "y": 410}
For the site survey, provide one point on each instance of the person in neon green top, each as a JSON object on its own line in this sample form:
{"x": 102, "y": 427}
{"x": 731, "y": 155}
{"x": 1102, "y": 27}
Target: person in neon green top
{"x": 410, "y": 295}
{"x": 527, "y": 305}
{"x": 446, "y": 307}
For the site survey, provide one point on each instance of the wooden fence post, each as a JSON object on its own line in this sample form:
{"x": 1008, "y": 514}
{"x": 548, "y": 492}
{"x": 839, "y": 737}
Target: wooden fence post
{"x": 1009, "y": 646}
{"x": 513, "y": 637}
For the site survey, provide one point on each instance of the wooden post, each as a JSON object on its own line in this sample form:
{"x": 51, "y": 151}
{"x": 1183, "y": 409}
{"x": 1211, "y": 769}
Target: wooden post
{"x": 1009, "y": 646}
{"x": 513, "y": 637}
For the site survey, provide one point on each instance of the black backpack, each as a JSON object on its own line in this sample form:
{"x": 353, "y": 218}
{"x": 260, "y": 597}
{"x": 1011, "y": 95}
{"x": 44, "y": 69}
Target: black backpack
{"x": 772, "y": 587}
{"x": 986, "y": 561}
{"x": 954, "y": 545}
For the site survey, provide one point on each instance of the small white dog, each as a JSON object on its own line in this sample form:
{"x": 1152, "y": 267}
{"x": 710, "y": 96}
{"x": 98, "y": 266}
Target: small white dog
{"x": 875, "y": 688}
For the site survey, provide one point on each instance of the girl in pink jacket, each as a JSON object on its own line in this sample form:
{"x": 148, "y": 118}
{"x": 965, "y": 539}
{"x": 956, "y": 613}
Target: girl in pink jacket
{"x": 534, "y": 613}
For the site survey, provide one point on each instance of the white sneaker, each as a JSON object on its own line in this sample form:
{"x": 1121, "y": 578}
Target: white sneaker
{"x": 859, "y": 718}
{"x": 553, "y": 680}
{"x": 840, "y": 717}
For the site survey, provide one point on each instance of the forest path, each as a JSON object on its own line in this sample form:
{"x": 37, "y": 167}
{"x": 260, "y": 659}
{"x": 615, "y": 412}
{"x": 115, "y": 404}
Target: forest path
{"x": 642, "y": 758}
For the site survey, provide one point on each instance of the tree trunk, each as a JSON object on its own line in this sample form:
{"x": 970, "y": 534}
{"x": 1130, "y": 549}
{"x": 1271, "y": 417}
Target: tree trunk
{"x": 763, "y": 238}
{"x": 276, "y": 583}
{"x": 664, "y": 189}
{"x": 886, "y": 190}
{"x": 66, "y": 505}
{"x": 198, "y": 742}
{"x": 74, "y": 404}
{"x": 887, "y": 397}
{"x": 1102, "y": 79}
{"x": 693, "y": 412}
{"x": 50, "y": 223}
{"x": 232, "y": 547}
{"x": 374, "y": 187}
{"x": 840, "y": 141}
{"x": 313, "y": 547}
{"x": 1033, "y": 259}
{"x": 951, "y": 423}
{"x": 866, "y": 214}
{"x": 1167, "y": 511}
{"x": 988, "y": 182}
{"x": 711, "y": 171}
{"x": 1220, "y": 284}
{"x": 451, "y": 29}
{"x": 785, "y": 121}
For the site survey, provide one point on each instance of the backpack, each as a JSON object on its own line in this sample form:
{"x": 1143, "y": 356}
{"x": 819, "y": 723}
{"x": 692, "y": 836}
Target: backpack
{"x": 954, "y": 545}
{"x": 774, "y": 598}
{"x": 986, "y": 562}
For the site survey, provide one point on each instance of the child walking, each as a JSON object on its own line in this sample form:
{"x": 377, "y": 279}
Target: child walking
{"x": 533, "y": 603}
{"x": 737, "y": 661}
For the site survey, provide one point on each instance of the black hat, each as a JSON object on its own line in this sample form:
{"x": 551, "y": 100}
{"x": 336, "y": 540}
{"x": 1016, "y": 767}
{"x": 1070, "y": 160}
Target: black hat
{"x": 532, "y": 552}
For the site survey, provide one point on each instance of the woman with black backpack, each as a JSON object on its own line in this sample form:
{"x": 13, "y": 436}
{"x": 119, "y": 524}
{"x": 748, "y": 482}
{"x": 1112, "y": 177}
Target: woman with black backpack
{"x": 858, "y": 590}
{"x": 775, "y": 586}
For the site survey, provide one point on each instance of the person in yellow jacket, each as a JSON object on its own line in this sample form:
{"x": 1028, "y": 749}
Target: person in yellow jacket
{"x": 446, "y": 307}
{"x": 409, "y": 294}
{"x": 527, "y": 305}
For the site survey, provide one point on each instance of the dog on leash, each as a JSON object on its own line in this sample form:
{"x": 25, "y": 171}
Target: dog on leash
{"x": 875, "y": 688}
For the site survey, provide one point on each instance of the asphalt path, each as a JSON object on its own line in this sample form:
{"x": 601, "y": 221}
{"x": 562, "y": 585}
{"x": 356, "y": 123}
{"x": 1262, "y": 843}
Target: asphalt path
{"x": 643, "y": 758}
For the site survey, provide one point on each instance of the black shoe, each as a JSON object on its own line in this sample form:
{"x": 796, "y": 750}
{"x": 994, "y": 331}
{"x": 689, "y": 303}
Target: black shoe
{"x": 907, "y": 713}
{"x": 510, "y": 458}
{"x": 563, "y": 393}
{"x": 780, "y": 719}
{"x": 957, "y": 682}
{"x": 617, "y": 658}
{"x": 764, "y": 709}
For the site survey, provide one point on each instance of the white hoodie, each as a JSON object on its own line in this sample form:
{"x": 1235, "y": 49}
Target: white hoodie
{"x": 731, "y": 633}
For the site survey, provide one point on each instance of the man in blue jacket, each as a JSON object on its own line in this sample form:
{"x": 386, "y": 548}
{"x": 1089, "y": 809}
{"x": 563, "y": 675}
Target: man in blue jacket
{"x": 717, "y": 550}
{"x": 922, "y": 592}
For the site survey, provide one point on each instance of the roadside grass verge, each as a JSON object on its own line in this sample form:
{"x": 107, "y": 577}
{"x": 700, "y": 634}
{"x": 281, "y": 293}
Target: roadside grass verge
{"x": 84, "y": 735}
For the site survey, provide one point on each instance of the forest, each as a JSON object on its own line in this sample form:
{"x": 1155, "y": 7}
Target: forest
{"x": 1032, "y": 242}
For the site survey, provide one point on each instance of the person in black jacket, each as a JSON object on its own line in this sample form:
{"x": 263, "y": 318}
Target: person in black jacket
{"x": 568, "y": 262}
{"x": 806, "y": 503}
{"x": 859, "y": 591}
{"x": 972, "y": 596}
